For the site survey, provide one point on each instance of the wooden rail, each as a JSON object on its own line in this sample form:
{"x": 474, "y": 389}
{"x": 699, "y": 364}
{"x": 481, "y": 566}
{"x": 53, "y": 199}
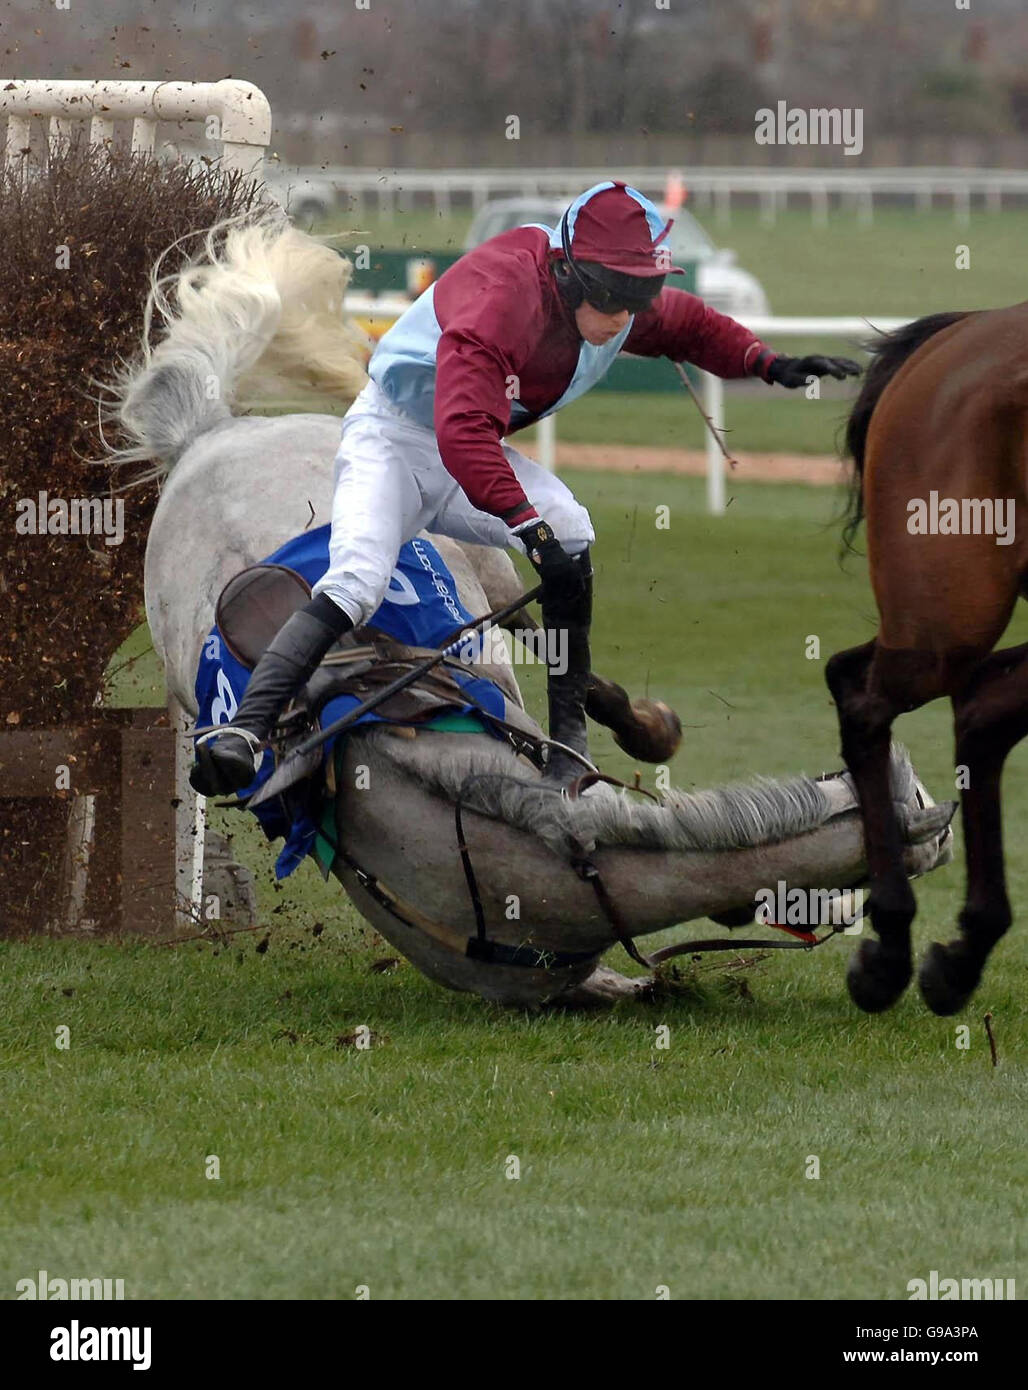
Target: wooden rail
{"x": 125, "y": 760}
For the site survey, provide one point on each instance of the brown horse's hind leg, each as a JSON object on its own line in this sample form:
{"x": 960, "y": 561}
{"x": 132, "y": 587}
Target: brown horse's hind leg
{"x": 859, "y": 680}
{"x": 991, "y": 716}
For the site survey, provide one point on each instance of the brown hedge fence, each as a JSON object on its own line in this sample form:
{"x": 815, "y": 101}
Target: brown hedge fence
{"x": 77, "y": 242}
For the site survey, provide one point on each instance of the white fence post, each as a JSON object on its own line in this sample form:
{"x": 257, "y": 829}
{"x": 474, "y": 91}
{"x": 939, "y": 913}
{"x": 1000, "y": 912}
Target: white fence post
{"x": 714, "y": 405}
{"x": 547, "y": 438}
{"x": 190, "y": 823}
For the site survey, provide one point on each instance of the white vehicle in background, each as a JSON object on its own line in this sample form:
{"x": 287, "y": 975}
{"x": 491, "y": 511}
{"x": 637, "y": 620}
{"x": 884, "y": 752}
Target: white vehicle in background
{"x": 723, "y": 284}
{"x": 306, "y": 197}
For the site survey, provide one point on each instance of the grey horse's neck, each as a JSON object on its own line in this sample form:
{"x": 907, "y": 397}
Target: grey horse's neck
{"x": 488, "y": 778}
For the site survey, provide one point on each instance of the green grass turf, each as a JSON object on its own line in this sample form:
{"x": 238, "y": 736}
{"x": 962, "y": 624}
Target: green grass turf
{"x": 759, "y": 418}
{"x": 639, "y": 1167}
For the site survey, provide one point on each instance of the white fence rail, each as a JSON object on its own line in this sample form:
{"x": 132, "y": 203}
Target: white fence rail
{"x": 241, "y": 112}
{"x": 707, "y": 186}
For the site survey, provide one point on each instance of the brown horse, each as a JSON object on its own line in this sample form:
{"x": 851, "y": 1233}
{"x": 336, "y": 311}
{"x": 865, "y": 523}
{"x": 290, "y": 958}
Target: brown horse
{"x": 943, "y": 411}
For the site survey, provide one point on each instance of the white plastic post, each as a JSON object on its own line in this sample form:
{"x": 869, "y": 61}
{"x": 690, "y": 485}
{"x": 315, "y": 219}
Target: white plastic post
{"x": 548, "y": 442}
{"x": 19, "y": 131}
{"x": 61, "y": 131}
{"x": 714, "y": 405}
{"x": 190, "y": 823}
{"x": 101, "y": 131}
{"x": 144, "y": 135}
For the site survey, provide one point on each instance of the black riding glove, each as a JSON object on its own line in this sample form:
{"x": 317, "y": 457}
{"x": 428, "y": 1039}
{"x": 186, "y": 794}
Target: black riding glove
{"x": 794, "y": 371}
{"x": 562, "y": 575}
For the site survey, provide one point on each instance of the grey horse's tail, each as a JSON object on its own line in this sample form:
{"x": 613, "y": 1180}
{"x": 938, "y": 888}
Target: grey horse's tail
{"x": 258, "y": 311}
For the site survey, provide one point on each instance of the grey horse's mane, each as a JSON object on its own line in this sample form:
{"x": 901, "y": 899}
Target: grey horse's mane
{"x": 487, "y": 777}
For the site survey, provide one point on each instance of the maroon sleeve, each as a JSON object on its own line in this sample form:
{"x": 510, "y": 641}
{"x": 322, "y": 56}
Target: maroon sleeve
{"x": 682, "y": 327}
{"x": 489, "y": 307}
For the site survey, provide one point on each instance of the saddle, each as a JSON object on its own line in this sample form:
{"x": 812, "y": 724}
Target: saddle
{"x": 256, "y": 602}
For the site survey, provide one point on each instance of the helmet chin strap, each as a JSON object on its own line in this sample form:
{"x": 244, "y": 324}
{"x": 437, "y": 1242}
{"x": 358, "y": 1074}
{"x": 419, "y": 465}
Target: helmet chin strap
{"x": 568, "y": 287}
{"x": 565, "y": 241}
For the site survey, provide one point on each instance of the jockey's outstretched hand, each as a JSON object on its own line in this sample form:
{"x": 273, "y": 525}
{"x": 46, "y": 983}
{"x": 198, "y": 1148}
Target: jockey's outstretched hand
{"x": 562, "y": 574}
{"x": 796, "y": 371}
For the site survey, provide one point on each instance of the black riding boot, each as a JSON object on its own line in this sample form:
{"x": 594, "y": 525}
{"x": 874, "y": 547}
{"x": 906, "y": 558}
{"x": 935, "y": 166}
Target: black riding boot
{"x": 566, "y": 692}
{"x": 227, "y": 763}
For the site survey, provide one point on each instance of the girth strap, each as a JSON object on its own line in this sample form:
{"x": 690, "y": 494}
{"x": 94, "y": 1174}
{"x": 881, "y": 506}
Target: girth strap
{"x": 589, "y": 873}
{"x": 469, "y": 873}
{"x": 475, "y": 947}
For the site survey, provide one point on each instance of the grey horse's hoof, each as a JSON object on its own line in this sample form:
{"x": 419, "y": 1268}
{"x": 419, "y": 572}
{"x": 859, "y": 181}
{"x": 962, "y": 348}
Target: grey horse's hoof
{"x": 876, "y": 978}
{"x": 947, "y": 978}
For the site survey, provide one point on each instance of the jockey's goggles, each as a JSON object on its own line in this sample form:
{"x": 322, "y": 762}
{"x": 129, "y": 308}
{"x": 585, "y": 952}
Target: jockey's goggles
{"x": 614, "y": 299}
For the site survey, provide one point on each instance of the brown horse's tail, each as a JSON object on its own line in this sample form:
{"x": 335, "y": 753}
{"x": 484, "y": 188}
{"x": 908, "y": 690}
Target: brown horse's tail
{"x": 890, "y": 351}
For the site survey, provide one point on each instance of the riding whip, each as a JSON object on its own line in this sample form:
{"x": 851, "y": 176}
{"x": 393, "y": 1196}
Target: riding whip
{"x": 732, "y": 463}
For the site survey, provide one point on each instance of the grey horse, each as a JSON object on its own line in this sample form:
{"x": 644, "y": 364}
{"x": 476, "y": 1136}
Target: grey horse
{"x": 235, "y": 489}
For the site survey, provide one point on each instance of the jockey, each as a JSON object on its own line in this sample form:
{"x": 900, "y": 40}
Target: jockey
{"x": 517, "y": 328}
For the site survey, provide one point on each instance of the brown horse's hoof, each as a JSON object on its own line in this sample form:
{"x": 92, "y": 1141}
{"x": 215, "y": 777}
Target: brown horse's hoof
{"x": 877, "y": 978}
{"x": 947, "y": 978}
{"x": 646, "y": 729}
{"x": 656, "y": 735}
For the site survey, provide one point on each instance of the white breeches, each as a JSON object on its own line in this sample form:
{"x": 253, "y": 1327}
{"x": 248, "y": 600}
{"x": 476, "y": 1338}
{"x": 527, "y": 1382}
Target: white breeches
{"x": 390, "y": 483}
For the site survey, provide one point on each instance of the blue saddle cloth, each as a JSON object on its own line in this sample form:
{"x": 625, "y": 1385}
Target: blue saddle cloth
{"x": 420, "y": 609}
